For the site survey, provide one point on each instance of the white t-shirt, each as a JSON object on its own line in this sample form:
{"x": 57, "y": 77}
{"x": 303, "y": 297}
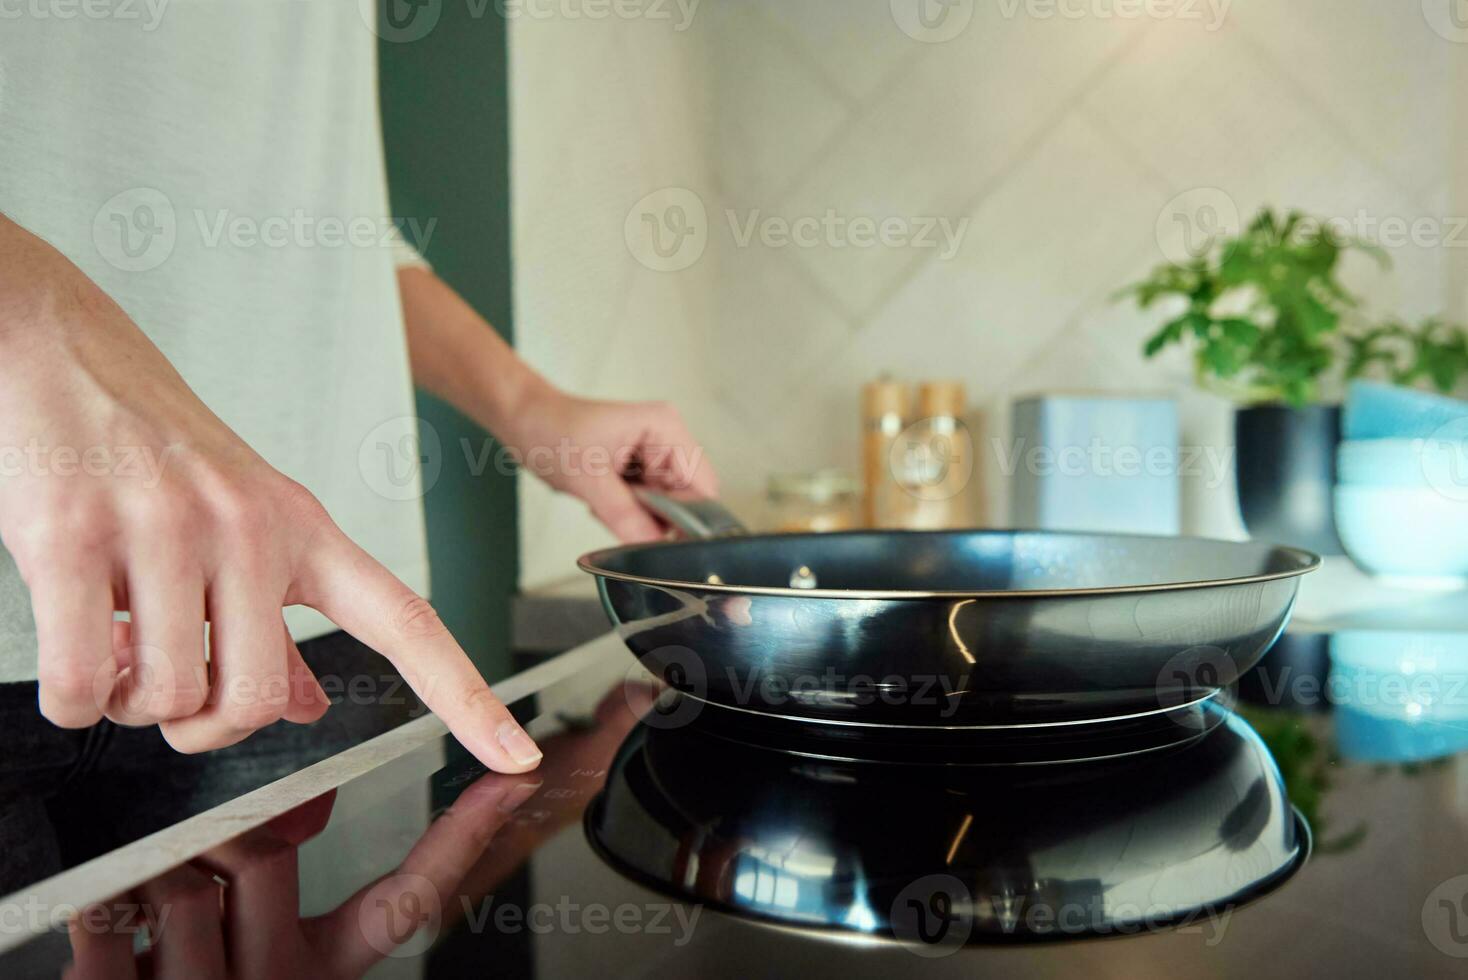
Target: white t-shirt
{"x": 216, "y": 166}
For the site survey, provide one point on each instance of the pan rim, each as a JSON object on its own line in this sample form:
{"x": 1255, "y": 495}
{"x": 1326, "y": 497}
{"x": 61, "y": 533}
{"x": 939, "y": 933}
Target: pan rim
{"x": 1048, "y": 726}
{"x": 592, "y": 563}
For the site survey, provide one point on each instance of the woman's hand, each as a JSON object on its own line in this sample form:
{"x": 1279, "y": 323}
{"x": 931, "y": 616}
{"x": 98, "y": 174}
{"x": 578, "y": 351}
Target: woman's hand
{"x": 122, "y": 491}
{"x": 592, "y": 450}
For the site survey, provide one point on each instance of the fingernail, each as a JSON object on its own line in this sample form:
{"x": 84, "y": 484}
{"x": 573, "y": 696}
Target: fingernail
{"x": 517, "y": 796}
{"x": 513, "y": 740}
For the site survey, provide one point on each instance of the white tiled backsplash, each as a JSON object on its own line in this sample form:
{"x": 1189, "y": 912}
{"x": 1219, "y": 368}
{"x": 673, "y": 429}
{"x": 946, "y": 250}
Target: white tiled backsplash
{"x": 1055, "y": 143}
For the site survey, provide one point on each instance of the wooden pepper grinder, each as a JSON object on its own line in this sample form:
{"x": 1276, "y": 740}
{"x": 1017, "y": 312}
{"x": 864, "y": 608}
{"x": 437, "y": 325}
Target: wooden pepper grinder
{"x": 940, "y": 459}
{"x": 884, "y": 408}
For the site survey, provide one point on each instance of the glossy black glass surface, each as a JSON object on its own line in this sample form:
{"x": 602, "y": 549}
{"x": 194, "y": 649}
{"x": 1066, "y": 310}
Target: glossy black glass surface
{"x": 428, "y": 866}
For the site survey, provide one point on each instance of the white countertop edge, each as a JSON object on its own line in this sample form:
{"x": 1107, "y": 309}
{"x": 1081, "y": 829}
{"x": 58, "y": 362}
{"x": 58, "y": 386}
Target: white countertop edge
{"x": 132, "y": 864}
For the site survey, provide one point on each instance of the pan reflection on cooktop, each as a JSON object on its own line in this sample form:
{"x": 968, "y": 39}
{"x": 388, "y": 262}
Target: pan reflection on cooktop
{"x": 940, "y": 856}
{"x": 999, "y": 744}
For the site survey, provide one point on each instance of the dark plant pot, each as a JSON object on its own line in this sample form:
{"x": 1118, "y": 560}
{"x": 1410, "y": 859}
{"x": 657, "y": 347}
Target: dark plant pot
{"x": 1286, "y": 474}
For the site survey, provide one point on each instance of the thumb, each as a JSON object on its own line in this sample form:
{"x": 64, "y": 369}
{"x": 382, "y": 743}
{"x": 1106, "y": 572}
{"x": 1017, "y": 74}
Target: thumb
{"x": 308, "y": 702}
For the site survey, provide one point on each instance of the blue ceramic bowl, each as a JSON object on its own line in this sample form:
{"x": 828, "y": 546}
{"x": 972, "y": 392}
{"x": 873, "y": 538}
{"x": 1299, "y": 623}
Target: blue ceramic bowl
{"x": 1395, "y": 462}
{"x": 1413, "y": 534}
{"x": 1382, "y": 411}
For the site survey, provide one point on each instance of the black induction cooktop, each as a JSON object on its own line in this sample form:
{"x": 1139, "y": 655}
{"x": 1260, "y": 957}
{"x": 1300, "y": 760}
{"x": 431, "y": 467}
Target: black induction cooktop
{"x": 1317, "y": 825}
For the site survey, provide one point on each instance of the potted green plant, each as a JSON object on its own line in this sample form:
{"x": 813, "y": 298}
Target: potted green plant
{"x": 1271, "y": 326}
{"x": 1435, "y": 353}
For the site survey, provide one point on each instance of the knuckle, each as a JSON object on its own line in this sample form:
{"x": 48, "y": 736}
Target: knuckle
{"x": 81, "y": 527}
{"x": 186, "y": 699}
{"x": 165, "y": 515}
{"x": 301, "y": 503}
{"x": 417, "y": 619}
{"x": 68, "y": 715}
{"x": 240, "y": 512}
{"x": 137, "y": 708}
{"x": 153, "y": 690}
{"x": 67, "y": 682}
{"x": 479, "y": 700}
{"x": 263, "y": 852}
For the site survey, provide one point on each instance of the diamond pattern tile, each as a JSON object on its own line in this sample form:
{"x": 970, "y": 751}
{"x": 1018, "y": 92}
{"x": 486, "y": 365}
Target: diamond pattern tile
{"x": 945, "y": 135}
{"x": 1377, "y": 69}
{"x": 1219, "y": 135}
{"x": 771, "y": 333}
{"x": 1060, "y": 140}
{"x": 771, "y": 109}
{"x": 1035, "y": 251}
{"x": 855, "y": 44}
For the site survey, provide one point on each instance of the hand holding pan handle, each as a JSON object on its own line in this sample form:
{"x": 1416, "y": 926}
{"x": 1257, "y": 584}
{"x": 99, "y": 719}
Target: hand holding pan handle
{"x": 703, "y": 518}
{"x": 694, "y": 517}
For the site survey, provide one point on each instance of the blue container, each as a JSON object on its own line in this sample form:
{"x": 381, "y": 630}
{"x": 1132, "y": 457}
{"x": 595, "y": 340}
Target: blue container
{"x": 1095, "y": 463}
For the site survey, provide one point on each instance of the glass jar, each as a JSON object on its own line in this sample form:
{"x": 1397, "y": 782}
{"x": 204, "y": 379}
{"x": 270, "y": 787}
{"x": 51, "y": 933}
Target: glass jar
{"x": 822, "y": 500}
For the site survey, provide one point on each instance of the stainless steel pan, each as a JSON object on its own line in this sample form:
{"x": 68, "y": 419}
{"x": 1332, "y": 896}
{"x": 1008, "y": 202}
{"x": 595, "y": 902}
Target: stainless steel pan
{"x": 984, "y": 628}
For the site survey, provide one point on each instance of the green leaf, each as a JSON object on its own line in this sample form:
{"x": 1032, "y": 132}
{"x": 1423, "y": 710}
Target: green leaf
{"x": 1241, "y": 332}
{"x": 1300, "y": 322}
{"x": 1169, "y": 334}
{"x": 1220, "y": 360}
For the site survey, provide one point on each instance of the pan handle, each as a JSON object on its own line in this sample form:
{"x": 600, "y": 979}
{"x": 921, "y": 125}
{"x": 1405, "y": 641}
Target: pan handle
{"x": 695, "y": 517}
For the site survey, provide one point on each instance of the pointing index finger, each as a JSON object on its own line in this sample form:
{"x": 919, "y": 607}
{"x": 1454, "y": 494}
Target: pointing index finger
{"x": 362, "y": 597}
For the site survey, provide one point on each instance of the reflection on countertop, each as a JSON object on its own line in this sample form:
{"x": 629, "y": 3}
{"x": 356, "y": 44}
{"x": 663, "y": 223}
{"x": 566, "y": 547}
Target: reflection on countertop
{"x": 421, "y": 864}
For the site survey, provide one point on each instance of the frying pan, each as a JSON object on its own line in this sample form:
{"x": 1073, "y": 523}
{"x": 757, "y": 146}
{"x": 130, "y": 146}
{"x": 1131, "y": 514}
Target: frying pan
{"x": 971, "y": 628}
